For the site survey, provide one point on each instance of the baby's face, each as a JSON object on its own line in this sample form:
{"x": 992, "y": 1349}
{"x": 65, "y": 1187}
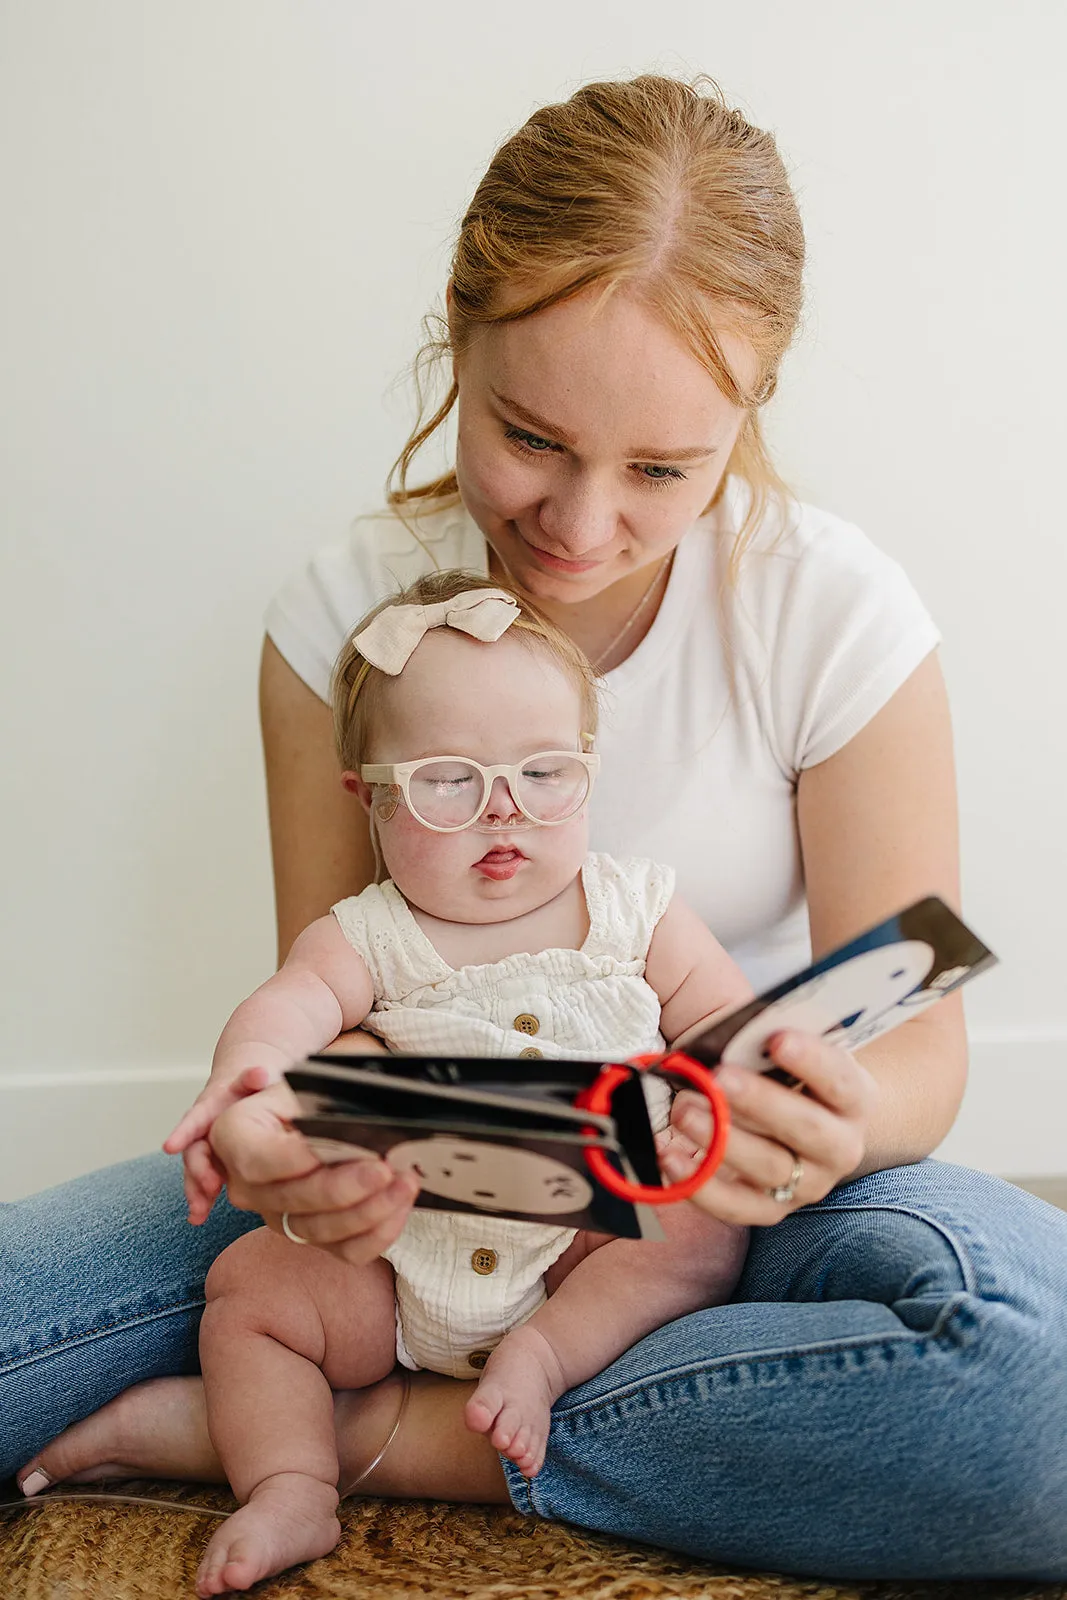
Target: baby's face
{"x": 493, "y": 703}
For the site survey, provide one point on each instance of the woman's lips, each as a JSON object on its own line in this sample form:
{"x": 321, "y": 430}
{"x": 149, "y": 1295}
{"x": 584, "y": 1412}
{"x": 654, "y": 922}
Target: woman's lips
{"x": 500, "y": 863}
{"x": 558, "y": 563}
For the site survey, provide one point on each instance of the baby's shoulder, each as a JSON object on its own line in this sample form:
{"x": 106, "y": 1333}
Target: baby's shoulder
{"x": 625, "y": 896}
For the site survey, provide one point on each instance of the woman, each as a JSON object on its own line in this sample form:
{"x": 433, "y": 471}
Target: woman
{"x": 889, "y": 1383}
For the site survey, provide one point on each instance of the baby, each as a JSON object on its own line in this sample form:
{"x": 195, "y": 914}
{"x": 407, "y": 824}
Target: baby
{"x": 464, "y": 721}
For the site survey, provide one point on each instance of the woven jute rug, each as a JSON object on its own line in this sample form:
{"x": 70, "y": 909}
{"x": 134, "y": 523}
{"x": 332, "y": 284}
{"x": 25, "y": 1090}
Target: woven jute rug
{"x": 395, "y": 1550}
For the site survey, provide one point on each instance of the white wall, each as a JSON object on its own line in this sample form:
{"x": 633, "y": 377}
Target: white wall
{"x": 222, "y": 222}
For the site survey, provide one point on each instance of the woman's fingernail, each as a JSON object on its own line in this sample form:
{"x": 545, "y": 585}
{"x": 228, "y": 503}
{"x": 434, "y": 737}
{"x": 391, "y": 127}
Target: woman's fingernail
{"x": 35, "y": 1481}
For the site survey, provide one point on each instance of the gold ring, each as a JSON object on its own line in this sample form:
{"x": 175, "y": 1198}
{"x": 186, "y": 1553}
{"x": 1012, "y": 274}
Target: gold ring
{"x": 287, "y": 1230}
{"x": 785, "y": 1191}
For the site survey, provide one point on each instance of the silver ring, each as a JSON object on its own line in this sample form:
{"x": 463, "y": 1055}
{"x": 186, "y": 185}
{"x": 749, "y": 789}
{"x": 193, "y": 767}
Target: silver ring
{"x": 287, "y": 1230}
{"x": 785, "y": 1191}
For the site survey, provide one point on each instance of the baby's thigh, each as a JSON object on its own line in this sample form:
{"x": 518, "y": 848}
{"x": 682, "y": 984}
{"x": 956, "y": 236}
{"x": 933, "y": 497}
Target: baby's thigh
{"x": 583, "y": 1244}
{"x": 340, "y": 1316}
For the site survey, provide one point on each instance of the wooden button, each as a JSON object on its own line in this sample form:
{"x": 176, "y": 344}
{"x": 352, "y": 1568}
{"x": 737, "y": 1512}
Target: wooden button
{"x": 478, "y": 1358}
{"x": 525, "y": 1023}
{"x": 531, "y": 1052}
{"x": 484, "y": 1262}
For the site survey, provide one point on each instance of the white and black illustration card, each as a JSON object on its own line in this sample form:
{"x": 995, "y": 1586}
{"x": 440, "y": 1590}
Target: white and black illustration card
{"x": 858, "y": 992}
{"x": 504, "y": 1137}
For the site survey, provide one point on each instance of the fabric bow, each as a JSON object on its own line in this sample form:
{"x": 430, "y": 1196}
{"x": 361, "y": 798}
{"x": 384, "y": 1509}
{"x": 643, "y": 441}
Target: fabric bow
{"x": 389, "y": 639}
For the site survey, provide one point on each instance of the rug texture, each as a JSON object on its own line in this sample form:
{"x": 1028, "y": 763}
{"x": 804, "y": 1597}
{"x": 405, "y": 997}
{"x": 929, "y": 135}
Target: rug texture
{"x": 396, "y": 1550}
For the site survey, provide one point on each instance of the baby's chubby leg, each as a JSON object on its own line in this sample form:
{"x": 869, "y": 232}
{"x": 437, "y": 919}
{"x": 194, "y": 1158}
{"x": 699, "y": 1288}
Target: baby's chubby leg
{"x": 283, "y": 1327}
{"x": 604, "y": 1295}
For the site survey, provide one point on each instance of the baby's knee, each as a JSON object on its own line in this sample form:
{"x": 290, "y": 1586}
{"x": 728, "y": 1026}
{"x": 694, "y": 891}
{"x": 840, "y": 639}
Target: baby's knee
{"x": 241, "y": 1265}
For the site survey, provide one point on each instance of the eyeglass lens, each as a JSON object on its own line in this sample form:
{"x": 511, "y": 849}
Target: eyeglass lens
{"x": 448, "y": 794}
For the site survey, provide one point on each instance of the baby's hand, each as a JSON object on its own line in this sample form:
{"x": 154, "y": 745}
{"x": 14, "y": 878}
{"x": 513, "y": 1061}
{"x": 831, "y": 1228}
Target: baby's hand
{"x": 203, "y": 1177}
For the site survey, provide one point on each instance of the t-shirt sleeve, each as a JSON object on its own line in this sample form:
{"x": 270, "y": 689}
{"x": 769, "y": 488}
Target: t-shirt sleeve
{"x": 844, "y": 628}
{"x": 312, "y": 614}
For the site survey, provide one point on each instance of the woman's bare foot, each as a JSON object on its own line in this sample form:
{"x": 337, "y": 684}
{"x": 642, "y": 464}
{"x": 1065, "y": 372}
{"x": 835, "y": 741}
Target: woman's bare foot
{"x": 156, "y": 1429}
{"x": 289, "y": 1518}
{"x": 513, "y": 1401}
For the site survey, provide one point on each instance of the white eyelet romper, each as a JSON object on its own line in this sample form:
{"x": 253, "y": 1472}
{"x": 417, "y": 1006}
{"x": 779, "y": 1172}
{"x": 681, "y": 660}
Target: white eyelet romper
{"x": 463, "y": 1281}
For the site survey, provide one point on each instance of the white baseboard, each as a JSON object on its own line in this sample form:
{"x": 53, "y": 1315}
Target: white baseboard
{"x": 55, "y": 1126}
{"x": 58, "y": 1125}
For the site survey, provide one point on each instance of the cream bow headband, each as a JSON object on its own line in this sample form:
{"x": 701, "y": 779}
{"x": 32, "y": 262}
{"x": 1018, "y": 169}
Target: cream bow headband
{"x": 389, "y": 639}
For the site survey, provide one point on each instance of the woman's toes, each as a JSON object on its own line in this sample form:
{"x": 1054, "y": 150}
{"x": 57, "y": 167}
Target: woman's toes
{"x": 34, "y": 1481}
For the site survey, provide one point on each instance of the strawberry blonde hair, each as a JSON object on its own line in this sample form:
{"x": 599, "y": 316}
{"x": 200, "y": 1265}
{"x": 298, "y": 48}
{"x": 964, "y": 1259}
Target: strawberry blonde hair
{"x": 656, "y": 184}
{"x": 356, "y": 686}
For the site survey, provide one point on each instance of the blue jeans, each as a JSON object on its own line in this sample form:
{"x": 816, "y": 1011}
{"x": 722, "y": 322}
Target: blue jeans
{"x": 886, "y": 1396}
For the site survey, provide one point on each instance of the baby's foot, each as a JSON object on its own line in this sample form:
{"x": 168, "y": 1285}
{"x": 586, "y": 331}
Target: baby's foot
{"x": 289, "y": 1518}
{"x": 513, "y": 1401}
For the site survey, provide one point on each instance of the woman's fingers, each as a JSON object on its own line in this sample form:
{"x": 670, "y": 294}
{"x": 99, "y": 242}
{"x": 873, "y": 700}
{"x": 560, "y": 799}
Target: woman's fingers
{"x": 732, "y": 1200}
{"x": 361, "y": 1232}
{"x": 828, "y": 1072}
{"x": 338, "y": 1187}
{"x": 775, "y": 1129}
{"x": 761, "y": 1106}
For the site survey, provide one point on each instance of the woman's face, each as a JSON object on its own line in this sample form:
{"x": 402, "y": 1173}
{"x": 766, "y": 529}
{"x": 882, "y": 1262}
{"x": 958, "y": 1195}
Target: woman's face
{"x": 590, "y": 440}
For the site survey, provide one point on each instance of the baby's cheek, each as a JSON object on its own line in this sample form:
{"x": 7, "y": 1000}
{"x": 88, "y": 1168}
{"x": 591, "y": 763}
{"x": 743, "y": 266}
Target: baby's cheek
{"x": 418, "y": 860}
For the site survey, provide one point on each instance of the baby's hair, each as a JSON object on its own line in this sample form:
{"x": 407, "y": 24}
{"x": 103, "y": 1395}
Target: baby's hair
{"x": 356, "y": 686}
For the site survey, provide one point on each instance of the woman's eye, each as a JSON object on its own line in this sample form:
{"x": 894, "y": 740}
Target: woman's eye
{"x": 529, "y": 441}
{"x": 655, "y": 472}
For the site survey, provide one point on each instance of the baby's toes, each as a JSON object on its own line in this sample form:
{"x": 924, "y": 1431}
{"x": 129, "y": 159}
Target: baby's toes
{"x": 528, "y": 1450}
{"x": 225, "y": 1566}
{"x": 484, "y": 1406}
{"x": 506, "y": 1427}
{"x": 209, "y": 1575}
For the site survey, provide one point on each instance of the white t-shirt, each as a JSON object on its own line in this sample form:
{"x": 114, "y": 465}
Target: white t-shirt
{"x": 706, "y": 727}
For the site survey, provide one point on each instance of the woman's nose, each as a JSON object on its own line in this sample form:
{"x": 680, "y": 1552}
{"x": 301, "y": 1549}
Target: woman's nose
{"x": 578, "y": 517}
{"x": 501, "y": 805}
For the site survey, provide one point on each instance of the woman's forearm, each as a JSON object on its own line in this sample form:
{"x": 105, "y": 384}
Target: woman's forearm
{"x": 920, "y": 1070}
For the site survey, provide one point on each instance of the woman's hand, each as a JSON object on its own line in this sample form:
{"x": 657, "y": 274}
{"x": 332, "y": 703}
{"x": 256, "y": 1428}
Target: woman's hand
{"x": 354, "y": 1209}
{"x": 821, "y": 1126}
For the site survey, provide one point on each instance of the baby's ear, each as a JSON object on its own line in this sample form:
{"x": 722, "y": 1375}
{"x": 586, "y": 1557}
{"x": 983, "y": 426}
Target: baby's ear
{"x": 355, "y": 785}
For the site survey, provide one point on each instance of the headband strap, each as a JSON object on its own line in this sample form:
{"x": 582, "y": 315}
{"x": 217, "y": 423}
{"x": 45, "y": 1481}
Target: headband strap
{"x": 389, "y": 639}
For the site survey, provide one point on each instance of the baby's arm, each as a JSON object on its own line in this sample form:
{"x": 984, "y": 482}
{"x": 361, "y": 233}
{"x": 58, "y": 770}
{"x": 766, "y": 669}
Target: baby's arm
{"x": 604, "y": 1295}
{"x": 323, "y": 988}
{"x": 696, "y": 980}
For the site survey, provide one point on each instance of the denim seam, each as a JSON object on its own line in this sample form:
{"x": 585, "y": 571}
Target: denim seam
{"x": 756, "y": 1358}
{"x": 955, "y": 1244}
{"x": 524, "y": 1489}
{"x": 30, "y": 1357}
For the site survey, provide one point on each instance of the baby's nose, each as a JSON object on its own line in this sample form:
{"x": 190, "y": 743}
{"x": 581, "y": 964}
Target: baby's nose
{"x": 501, "y": 804}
